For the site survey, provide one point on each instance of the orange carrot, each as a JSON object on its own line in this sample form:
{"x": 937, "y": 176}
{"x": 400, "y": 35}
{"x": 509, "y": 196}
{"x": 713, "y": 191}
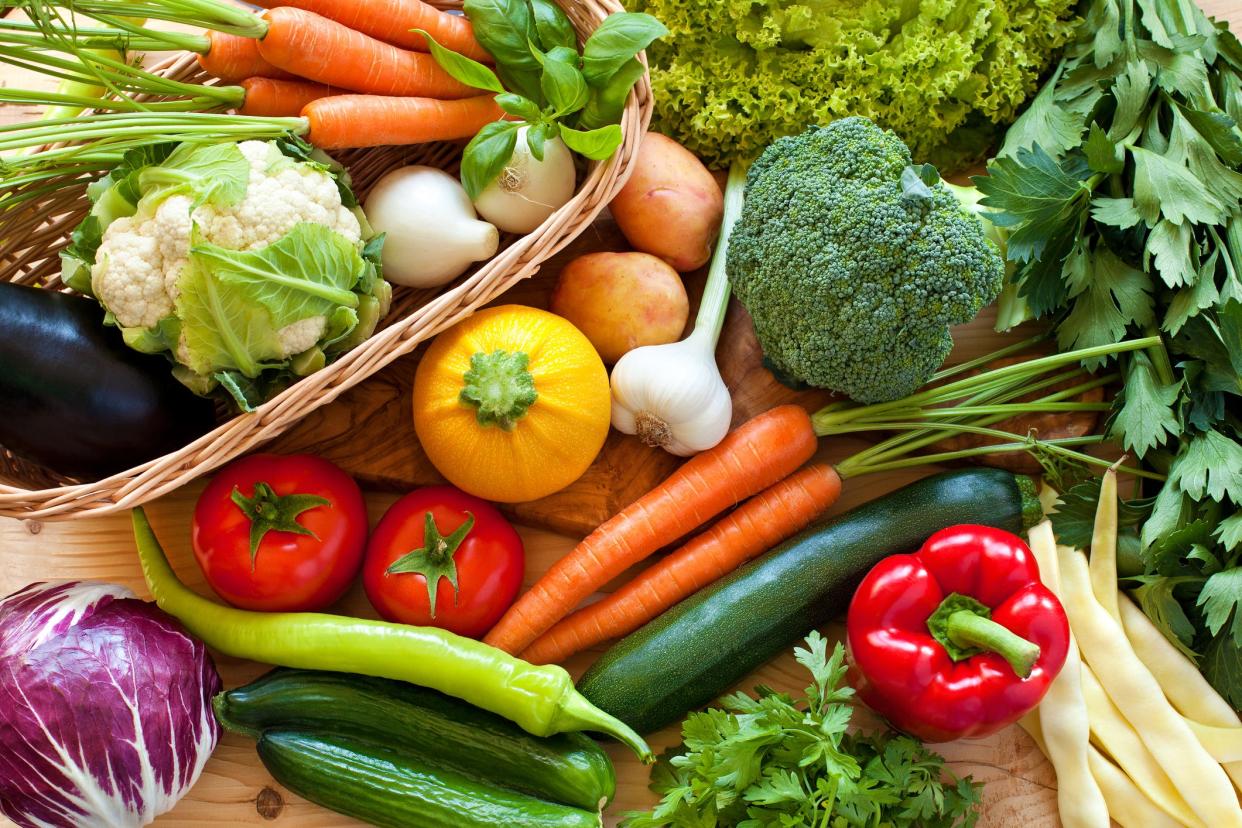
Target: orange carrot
{"x": 393, "y": 21}
{"x": 280, "y": 98}
{"x": 750, "y": 458}
{"x": 760, "y": 523}
{"x": 232, "y": 58}
{"x": 343, "y": 121}
{"x": 323, "y": 50}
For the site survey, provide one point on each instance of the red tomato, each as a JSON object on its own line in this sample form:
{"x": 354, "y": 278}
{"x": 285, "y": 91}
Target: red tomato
{"x": 475, "y": 560}
{"x": 280, "y": 533}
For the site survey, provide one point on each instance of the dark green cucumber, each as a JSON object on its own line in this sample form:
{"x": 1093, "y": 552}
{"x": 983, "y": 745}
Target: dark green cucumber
{"x": 568, "y": 767}
{"x": 686, "y": 657}
{"x": 370, "y": 781}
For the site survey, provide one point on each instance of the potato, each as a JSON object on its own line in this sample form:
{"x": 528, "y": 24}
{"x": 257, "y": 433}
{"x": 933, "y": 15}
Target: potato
{"x": 621, "y": 301}
{"x": 671, "y": 206}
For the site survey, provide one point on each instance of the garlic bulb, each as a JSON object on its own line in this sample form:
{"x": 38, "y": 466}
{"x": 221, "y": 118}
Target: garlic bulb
{"x": 672, "y": 396}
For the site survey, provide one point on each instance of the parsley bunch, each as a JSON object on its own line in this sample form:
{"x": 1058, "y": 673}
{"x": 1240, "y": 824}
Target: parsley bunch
{"x": 771, "y": 761}
{"x": 1121, "y": 191}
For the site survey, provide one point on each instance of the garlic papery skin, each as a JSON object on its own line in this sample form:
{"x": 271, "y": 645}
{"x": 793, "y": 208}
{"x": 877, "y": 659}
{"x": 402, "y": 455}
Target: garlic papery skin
{"x": 672, "y": 397}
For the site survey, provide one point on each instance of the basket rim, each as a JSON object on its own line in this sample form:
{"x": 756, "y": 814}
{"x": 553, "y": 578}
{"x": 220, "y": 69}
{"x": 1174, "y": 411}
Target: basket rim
{"x": 246, "y": 431}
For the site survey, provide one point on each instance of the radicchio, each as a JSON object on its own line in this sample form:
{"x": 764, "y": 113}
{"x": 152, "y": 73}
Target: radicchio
{"x": 105, "y": 707}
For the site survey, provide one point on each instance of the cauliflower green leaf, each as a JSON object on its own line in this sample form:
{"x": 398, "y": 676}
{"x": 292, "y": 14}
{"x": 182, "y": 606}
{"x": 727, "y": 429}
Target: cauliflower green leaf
{"x": 239, "y": 308}
{"x": 208, "y": 173}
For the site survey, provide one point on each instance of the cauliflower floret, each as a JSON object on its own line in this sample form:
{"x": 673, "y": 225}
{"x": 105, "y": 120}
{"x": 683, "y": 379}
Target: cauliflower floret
{"x": 140, "y": 259}
{"x": 301, "y": 335}
{"x": 138, "y": 263}
{"x": 280, "y": 194}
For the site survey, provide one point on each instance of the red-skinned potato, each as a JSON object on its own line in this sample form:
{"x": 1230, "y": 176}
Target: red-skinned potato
{"x": 671, "y": 206}
{"x": 621, "y": 301}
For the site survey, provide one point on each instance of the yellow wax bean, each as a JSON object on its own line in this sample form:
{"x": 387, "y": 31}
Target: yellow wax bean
{"x": 1104, "y": 546}
{"x": 1111, "y": 732}
{"x": 1065, "y": 729}
{"x": 1179, "y": 678}
{"x": 1198, "y": 778}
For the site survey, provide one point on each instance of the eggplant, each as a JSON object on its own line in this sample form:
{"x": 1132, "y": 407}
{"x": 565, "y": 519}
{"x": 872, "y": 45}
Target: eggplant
{"x": 75, "y": 399}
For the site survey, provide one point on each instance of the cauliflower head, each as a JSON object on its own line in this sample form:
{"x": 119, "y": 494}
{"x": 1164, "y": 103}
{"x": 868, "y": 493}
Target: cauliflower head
{"x": 245, "y": 262}
{"x": 853, "y": 263}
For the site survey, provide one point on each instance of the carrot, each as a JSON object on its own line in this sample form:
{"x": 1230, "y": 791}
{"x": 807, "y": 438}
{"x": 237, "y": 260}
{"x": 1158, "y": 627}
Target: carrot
{"x": 750, "y": 458}
{"x": 393, "y": 21}
{"x": 280, "y": 98}
{"x": 760, "y": 523}
{"x": 232, "y": 58}
{"x": 344, "y": 121}
{"x": 323, "y": 50}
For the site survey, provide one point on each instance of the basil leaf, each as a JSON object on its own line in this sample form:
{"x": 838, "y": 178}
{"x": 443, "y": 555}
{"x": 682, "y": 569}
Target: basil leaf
{"x": 486, "y": 155}
{"x": 552, "y": 25}
{"x": 461, "y": 68}
{"x": 562, "y": 84}
{"x": 536, "y": 137}
{"x": 607, "y": 102}
{"x": 596, "y": 144}
{"x": 619, "y": 38}
{"x": 505, "y": 28}
{"x": 517, "y": 106}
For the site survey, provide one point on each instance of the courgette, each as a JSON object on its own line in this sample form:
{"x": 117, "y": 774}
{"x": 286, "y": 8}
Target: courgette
{"x": 690, "y": 654}
{"x": 568, "y": 768}
{"x": 371, "y": 781}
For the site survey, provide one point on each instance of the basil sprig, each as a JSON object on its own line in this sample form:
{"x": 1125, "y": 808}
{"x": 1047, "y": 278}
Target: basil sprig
{"x": 545, "y": 83}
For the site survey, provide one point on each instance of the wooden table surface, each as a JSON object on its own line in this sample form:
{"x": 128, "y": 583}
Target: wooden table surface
{"x": 1020, "y": 786}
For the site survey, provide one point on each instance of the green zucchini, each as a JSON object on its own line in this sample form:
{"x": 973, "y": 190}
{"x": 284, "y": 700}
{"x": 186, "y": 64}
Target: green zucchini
{"x": 568, "y": 767}
{"x": 686, "y": 657}
{"x": 370, "y": 781}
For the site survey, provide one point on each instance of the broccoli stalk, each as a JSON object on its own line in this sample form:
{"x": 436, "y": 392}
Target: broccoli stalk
{"x": 954, "y": 404}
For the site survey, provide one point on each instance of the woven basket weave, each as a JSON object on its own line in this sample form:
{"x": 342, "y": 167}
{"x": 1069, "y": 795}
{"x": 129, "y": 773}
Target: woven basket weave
{"x": 32, "y": 237}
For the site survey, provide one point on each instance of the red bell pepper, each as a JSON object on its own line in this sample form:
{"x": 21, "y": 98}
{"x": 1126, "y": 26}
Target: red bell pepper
{"x": 958, "y": 639}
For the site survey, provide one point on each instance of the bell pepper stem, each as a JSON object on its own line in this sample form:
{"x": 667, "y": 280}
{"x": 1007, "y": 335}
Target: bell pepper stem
{"x": 968, "y": 629}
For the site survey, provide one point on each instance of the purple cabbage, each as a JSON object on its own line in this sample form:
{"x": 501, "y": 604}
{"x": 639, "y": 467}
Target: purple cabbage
{"x": 105, "y": 707}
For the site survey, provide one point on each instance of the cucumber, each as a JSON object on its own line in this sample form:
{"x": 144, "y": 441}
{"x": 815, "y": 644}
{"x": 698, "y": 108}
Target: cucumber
{"x": 370, "y": 781}
{"x": 568, "y": 767}
{"x": 686, "y": 657}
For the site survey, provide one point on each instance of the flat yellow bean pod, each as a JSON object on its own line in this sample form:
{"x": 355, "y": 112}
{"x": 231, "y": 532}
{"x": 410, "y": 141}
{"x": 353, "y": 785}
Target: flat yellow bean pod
{"x": 1064, "y": 730}
{"x": 1198, "y": 778}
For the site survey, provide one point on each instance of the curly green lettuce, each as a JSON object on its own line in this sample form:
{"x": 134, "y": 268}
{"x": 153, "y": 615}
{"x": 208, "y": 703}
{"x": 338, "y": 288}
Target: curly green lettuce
{"x": 945, "y": 75}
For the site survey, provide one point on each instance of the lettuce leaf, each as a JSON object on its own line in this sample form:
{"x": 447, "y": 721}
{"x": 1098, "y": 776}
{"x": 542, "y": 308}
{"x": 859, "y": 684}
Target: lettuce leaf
{"x": 733, "y": 76}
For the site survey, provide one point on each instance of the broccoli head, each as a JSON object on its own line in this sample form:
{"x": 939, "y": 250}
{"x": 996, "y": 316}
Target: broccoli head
{"x": 853, "y": 263}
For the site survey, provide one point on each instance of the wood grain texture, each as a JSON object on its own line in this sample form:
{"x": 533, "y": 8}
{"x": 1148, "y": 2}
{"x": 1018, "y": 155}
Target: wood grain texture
{"x": 235, "y": 789}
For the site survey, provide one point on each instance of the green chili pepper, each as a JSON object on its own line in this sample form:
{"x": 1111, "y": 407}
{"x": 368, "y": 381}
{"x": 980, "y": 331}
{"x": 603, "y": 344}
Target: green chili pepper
{"x": 541, "y": 700}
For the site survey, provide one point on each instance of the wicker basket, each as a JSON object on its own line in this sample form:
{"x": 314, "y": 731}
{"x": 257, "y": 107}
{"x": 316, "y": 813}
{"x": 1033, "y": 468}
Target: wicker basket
{"x": 33, "y": 237}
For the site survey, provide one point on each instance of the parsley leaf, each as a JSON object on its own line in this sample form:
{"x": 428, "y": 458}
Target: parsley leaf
{"x": 1145, "y": 415}
{"x": 1220, "y": 599}
{"x": 769, "y": 760}
{"x": 1209, "y": 465}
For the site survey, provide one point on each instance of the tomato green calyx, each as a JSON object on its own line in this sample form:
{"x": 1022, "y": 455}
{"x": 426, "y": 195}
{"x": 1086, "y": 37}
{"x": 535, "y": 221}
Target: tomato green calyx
{"x": 434, "y": 559}
{"x": 499, "y": 387}
{"x": 964, "y": 627}
{"x": 269, "y": 511}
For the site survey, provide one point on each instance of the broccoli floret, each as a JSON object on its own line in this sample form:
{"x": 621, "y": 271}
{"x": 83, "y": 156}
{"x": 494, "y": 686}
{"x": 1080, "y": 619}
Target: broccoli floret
{"x": 853, "y": 263}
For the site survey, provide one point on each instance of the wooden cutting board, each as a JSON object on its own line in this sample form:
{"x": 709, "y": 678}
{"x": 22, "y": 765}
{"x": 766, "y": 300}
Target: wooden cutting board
{"x": 346, "y": 430}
